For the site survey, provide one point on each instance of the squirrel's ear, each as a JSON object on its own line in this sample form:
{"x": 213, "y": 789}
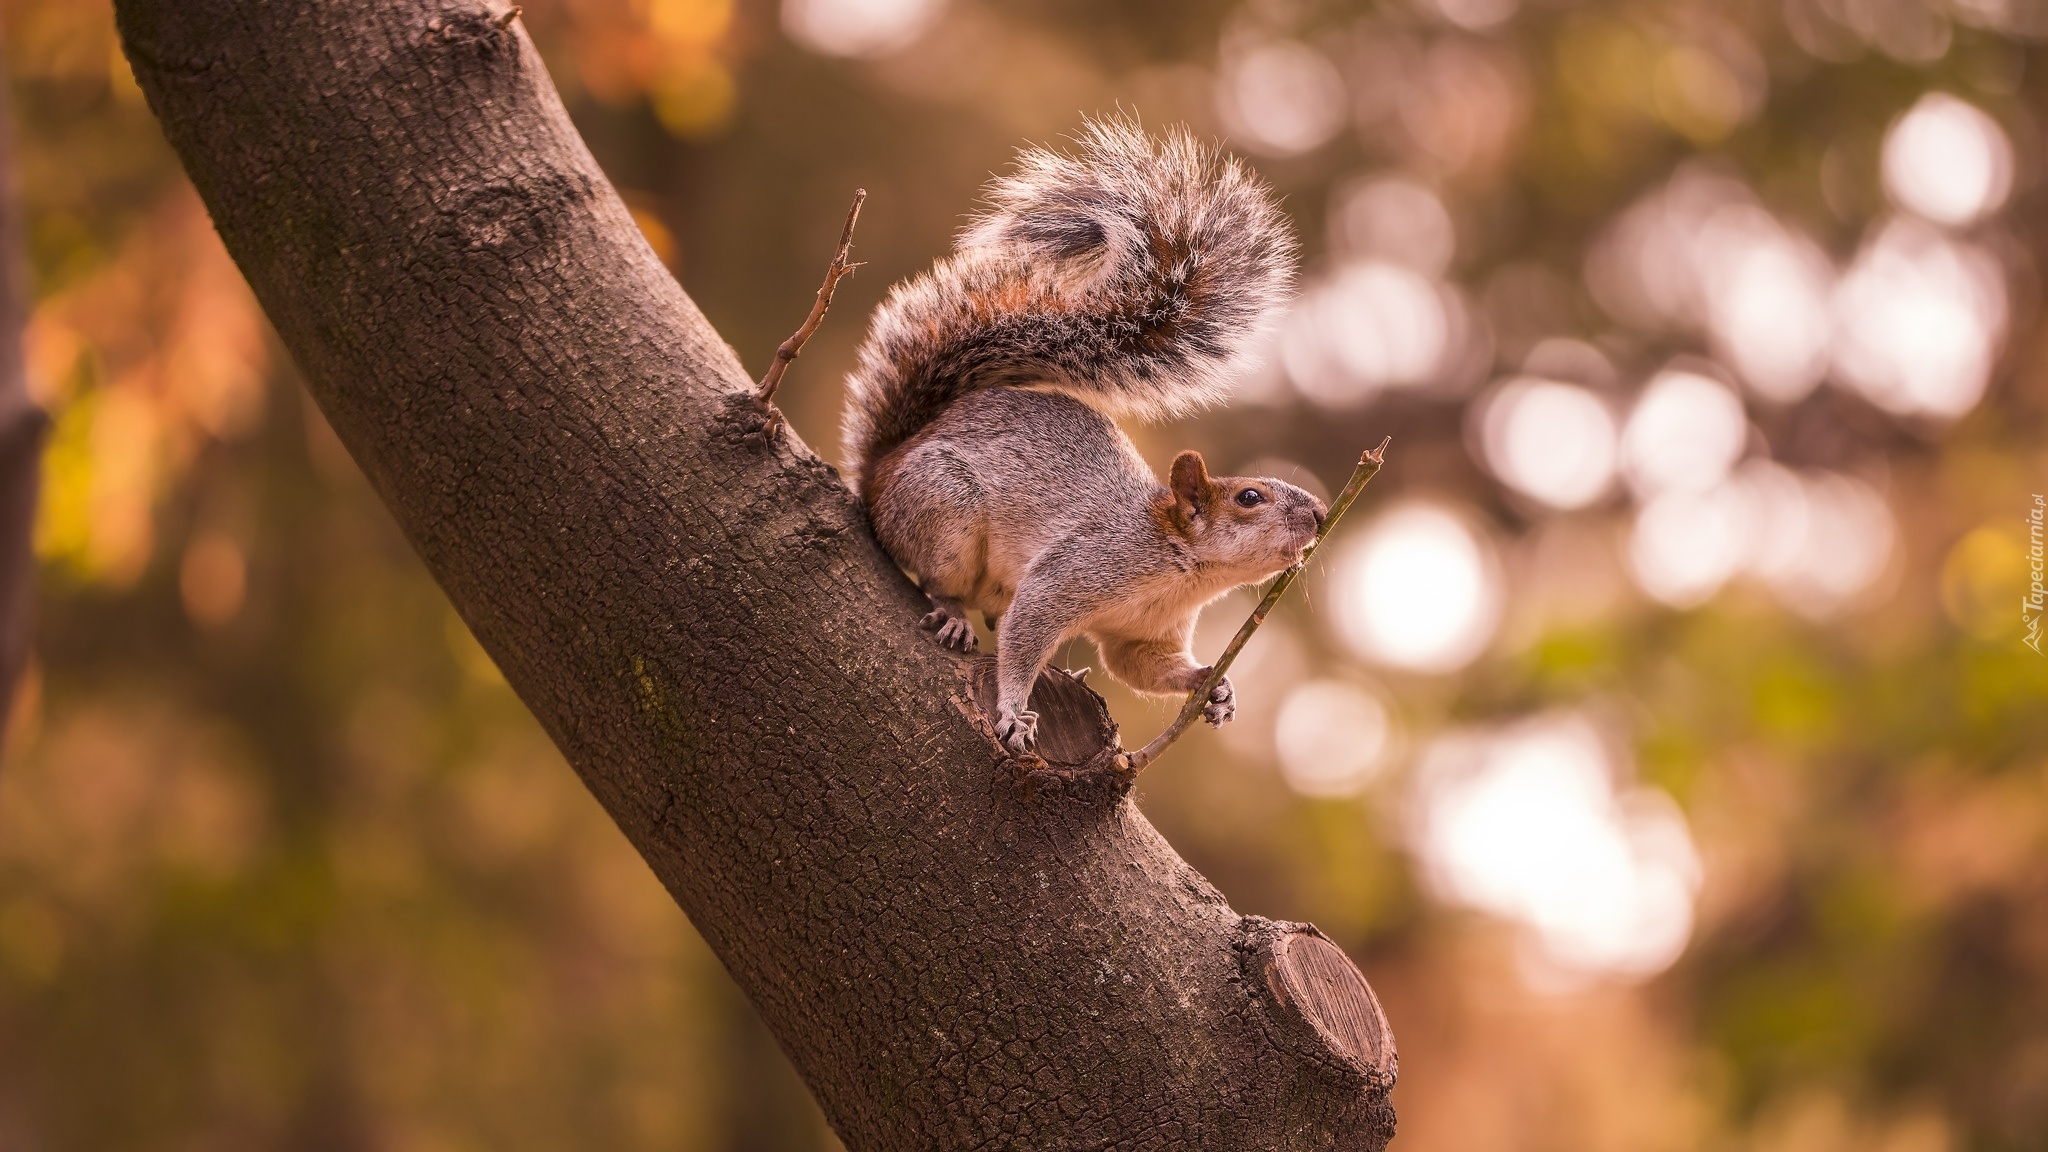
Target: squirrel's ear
{"x": 1190, "y": 482}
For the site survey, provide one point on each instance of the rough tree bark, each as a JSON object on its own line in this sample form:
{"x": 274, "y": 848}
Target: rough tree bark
{"x": 954, "y": 954}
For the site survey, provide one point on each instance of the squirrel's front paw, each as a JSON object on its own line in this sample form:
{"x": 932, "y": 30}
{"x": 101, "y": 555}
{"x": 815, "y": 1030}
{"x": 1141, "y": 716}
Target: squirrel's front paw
{"x": 949, "y": 630}
{"x": 1222, "y": 703}
{"x": 1017, "y": 731}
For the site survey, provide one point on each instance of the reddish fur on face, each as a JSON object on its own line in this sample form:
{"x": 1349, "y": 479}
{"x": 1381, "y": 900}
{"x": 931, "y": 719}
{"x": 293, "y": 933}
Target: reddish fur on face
{"x": 1228, "y": 505}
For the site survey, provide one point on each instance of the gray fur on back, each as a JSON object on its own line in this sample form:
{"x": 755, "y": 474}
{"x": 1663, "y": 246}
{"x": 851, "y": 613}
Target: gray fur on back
{"x": 1024, "y": 468}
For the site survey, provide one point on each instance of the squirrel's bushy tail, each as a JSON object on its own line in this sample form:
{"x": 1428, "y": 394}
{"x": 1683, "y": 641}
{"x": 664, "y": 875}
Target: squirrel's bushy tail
{"x": 1134, "y": 274}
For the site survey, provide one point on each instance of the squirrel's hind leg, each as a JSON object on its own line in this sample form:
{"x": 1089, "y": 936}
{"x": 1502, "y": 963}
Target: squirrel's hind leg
{"x": 947, "y": 622}
{"x": 927, "y": 511}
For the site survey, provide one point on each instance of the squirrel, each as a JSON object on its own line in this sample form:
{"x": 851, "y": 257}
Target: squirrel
{"x": 1132, "y": 278}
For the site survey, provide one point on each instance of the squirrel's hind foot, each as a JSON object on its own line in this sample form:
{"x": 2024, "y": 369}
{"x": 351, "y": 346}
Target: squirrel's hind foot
{"x": 950, "y": 628}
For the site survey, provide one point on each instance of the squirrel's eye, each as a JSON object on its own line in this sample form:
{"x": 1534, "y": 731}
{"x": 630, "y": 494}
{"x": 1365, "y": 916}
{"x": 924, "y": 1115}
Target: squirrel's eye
{"x": 1250, "y": 498}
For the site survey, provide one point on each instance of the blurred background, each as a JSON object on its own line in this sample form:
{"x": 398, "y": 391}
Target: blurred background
{"x": 1666, "y": 734}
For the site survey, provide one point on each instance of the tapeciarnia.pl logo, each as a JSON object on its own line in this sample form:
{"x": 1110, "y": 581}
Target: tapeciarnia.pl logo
{"x": 2037, "y": 599}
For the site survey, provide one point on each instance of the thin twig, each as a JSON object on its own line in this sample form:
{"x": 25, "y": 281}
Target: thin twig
{"x": 839, "y": 267}
{"x": 506, "y": 18}
{"x": 1368, "y": 467}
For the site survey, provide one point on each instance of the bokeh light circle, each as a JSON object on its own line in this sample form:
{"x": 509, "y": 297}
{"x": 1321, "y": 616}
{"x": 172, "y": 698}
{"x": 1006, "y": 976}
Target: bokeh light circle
{"x": 858, "y": 27}
{"x": 1419, "y": 589}
{"x": 1685, "y": 432}
{"x": 1947, "y": 161}
{"x": 1530, "y": 823}
{"x": 1282, "y": 98}
{"x": 1332, "y": 738}
{"x": 1552, "y": 442}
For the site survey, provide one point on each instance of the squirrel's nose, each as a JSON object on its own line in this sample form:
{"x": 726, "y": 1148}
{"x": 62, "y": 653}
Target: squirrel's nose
{"x": 1321, "y": 514}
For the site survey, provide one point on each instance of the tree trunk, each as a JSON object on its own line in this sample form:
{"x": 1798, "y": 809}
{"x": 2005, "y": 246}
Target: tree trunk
{"x": 954, "y": 953}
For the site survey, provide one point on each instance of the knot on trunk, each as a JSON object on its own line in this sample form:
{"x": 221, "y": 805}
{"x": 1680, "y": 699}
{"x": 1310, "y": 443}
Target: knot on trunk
{"x": 483, "y": 32}
{"x": 517, "y": 216}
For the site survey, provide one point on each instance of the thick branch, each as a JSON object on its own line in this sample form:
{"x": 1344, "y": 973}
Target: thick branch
{"x": 700, "y": 619}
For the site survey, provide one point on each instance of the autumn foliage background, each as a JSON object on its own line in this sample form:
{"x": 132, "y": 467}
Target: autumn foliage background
{"x": 1662, "y": 736}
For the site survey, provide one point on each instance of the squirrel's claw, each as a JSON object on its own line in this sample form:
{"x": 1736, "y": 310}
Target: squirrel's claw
{"x": 1222, "y": 703}
{"x": 949, "y": 630}
{"x": 1017, "y": 731}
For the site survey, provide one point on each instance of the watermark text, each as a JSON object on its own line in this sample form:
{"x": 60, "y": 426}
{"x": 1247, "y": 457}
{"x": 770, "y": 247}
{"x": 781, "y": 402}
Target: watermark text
{"x": 2031, "y": 608}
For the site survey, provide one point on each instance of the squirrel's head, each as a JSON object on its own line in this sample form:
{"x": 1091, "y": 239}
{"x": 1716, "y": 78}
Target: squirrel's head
{"x": 1249, "y": 527}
